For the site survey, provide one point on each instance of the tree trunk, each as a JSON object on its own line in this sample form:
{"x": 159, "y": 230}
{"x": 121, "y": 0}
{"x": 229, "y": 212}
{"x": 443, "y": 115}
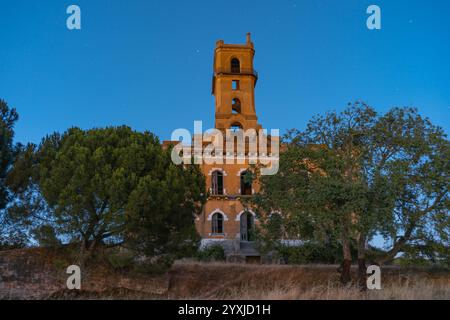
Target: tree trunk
{"x": 86, "y": 250}
{"x": 347, "y": 263}
{"x": 362, "y": 275}
{"x": 92, "y": 246}
{"x": 82, "y": 258}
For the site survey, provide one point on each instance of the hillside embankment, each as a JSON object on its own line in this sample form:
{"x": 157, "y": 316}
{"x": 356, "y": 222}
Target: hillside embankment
{"x": 39, "y": 273}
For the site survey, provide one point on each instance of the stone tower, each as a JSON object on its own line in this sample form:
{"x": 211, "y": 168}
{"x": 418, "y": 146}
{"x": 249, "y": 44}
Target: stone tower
{"x": 233, "y": 86}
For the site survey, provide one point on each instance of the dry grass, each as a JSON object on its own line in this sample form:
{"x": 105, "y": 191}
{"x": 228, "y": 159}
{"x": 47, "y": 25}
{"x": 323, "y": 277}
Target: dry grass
{"x": 34, "y": 274}
{"x": 310, "y": 282}
{"x": 418, "y": 291}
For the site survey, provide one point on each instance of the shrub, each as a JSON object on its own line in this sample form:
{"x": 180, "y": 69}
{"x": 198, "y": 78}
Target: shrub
{"x": 155, "y": 265}
{"x": 311, "y": 252}
{"x": 46, "y": 236}
{"x": 211, "y": 253}
{"x": 60, "y": 264}
{"x": 120, "y": 259}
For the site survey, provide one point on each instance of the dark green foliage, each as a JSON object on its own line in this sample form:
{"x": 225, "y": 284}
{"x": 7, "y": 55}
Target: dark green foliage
{"x": 121, "y": 259}
{"x": 10, "y": 236}
{"x": 211, "y": 253}
{"x": 311, "y": 252}
{"x": 160, "y": 214}
{"x": 319, "y": 252}
{"x": 107, "y": 187}
{"x": 46, "y": 236}
{"x": 8, "y": 117}
{"x": 154, "y": 266}
{"x": 427, "y": 253}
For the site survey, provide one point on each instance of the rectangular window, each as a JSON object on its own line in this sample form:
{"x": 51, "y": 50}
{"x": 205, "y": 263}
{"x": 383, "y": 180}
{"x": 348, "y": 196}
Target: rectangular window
{"x": 235, "y": 85}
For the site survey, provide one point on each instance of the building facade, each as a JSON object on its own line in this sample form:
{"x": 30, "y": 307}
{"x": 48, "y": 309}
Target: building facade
{"x": 225, "y": 220}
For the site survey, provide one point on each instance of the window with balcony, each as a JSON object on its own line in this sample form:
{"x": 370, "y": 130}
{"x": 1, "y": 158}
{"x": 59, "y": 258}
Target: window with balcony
{"x": 217, "y": 183}
{"x": 246, "y": 183}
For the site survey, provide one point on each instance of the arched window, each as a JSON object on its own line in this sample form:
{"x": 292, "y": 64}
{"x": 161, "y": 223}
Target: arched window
{"x": 217, "y": 223}
{"x": 235, "y": 66}
{"x": 236, "y": 106}
{"x": 217, "y": 183}
{"x": 247, "y": 222}
{"x": 246, "y": 184}
{"x": 235, "y": 126}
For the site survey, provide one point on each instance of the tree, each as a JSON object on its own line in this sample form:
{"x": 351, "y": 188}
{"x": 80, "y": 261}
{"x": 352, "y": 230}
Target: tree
{"x": 351, "y": 174}
{"x": 86, "y": 184}
{"x": 8, "y": 117}
{"x": 159, "y": 215}
{"x": 9, "y": 236}
{"x": 415, "y": 156}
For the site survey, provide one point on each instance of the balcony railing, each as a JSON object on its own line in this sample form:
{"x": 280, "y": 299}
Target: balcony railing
{"x": 243, "y": 71}
{"x": 230, "y": 196}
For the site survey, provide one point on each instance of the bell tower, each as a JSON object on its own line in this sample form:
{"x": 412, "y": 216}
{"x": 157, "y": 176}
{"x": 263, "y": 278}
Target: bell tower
{"x": 233, "y": 86}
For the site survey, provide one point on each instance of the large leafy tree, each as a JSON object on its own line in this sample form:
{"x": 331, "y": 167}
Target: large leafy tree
{"x": 92, "y": 186}
{"x": 355, "y": 173}
{"x": 413, "y": 155}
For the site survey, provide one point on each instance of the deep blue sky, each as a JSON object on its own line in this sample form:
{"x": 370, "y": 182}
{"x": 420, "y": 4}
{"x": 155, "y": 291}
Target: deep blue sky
{"x": 148, "y": 64}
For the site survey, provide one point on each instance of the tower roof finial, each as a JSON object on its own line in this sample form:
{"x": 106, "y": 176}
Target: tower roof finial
{"x": 248, "y": 37}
